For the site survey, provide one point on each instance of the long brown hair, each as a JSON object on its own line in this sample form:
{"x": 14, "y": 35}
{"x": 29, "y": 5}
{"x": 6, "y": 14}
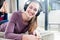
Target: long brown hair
{"x": 32, "y": 24}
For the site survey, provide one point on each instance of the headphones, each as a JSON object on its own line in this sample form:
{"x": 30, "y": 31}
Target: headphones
{"x": 27, "y": 4}
{"x": 1, "y": 3}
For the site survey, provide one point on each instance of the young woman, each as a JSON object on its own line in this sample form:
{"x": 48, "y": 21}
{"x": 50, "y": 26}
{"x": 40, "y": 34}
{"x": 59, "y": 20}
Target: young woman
{"x": 22, "y": 22}
{"x": 3, "y": 11}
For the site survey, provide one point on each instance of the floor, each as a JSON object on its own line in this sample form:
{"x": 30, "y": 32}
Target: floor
{"x": 46, "y": 35}
{"x": 57, "y": 36}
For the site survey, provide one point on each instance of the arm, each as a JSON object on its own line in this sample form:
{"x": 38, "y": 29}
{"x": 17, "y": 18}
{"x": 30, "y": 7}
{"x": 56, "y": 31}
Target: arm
{"x": 3, "y": 21}
{"x": 10, "y": 29}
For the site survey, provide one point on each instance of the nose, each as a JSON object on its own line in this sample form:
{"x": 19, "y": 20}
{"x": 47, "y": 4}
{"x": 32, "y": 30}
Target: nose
{"x": 32, "y": 11}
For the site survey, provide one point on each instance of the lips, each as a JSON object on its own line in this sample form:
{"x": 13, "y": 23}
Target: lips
{"x": 30, "y": 14}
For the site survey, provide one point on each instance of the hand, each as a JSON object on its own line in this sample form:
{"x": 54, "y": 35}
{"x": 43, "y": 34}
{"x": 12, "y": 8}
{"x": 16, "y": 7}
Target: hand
{"x": 37, "y": 35}
{"x": 4, "y": 7}
{"x": 29, "y": 37}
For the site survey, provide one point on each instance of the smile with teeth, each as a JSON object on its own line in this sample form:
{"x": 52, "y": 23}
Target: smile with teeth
{"x": 31, "y": 14}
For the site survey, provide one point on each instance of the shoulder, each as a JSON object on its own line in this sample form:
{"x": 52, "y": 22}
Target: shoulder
{"x": 17, "y": 13}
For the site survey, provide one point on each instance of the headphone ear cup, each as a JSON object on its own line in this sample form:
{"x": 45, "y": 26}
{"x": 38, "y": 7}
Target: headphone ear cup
{"x": 39, "y": 12}
{"x": 25, "y": 7}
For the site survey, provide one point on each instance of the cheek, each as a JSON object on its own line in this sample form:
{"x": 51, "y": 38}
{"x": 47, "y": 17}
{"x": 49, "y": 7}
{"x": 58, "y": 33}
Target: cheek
{"x": 27, "y": 10}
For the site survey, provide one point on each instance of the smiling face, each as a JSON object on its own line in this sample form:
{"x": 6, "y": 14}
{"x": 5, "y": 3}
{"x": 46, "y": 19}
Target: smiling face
{"x": 32, "y": 9}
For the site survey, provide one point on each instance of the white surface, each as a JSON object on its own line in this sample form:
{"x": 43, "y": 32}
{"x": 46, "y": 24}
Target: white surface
{"x": 4, "y": 39}
{"x": 54, "y": 16}
{"x": 57, "y": 36}
{"x": 44, "y": 35}
{"x": 9, "y": 16}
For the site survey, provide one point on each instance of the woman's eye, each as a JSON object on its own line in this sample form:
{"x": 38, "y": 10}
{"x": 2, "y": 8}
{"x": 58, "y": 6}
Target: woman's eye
{"x": 35, "y": 9}
{"x": 30, "y": 7}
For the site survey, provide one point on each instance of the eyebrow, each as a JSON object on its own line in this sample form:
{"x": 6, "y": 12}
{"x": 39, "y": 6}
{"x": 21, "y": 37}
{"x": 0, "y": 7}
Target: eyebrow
{"x": 34, "y": 8}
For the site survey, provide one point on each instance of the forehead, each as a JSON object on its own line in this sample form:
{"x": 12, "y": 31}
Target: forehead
{"x": 34, "y": 4}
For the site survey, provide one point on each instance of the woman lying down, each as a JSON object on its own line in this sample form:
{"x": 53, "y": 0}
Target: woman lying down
{"x": 21, "y": 22}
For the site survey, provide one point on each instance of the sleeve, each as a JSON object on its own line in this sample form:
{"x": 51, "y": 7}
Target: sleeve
{"x": 3, "y": 21}
{"x": 10, "y": 29}
{"x": 5, "y": 18}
